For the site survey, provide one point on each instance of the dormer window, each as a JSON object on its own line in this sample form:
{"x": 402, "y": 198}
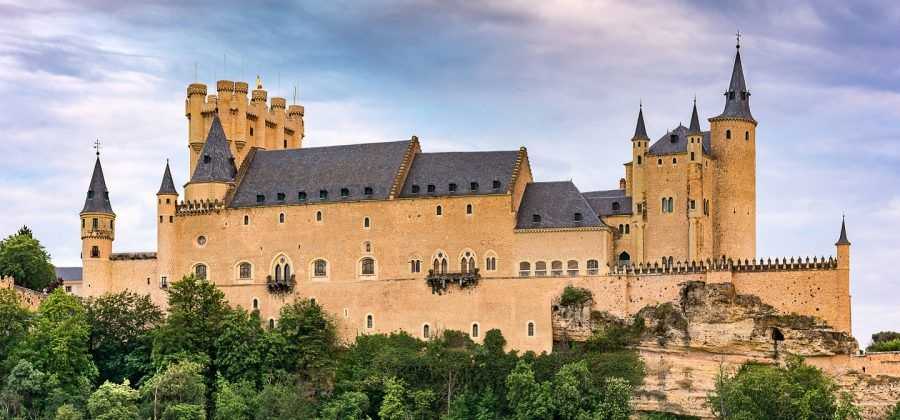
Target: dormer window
{"x": 90, "y": 193}
{"x": 473, "y": 186}
{"x": 345, "y": 192}
{"x": 616, "y": 206}
{"x": 430, "y": 188}
{"x": 206, "y": 159}
{"x": 260, "y": 198}
{"x": 301, "y": 196}
{"x": 578, "y": 217}
{"x": 280, "y": 196}
{"x": 323, "y": 194}
{"x": 673, "y": 138}
{"x": 368, "y": 191}
{"x": 452, "y": 187}
{"x": 496, "y": 184}
{"x": 415, "y": 189}
{"x": 535, "y": 218}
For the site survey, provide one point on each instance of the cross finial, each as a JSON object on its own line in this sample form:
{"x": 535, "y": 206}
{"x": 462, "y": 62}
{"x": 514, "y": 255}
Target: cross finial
{"x": 97, "y": 147}
{"x": 641, "y": 103}
{"x": 738, "y": 35}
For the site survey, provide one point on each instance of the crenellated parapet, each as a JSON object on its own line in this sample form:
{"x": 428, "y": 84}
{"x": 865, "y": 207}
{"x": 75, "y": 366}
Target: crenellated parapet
{"x": 199, "y": 207}
{"x": 727, "y": 265}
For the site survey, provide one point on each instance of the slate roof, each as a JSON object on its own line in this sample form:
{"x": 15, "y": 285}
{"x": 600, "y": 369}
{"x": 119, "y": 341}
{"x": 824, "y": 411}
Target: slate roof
{"x": 640, "y": 130}
{"x": 737, "y": 98}
{"x": 602, "y": 202}
{"x": 462, "y": 169}
{"x": 167, "y": 186}
{"x": 313, "y": 169}
{"x": 97, "y": 200}
{"x": 68, "y": 273}
{"x": 843, "y": 239}
{"x": 556, "y": 203}
{"x": 665, "y": 145}
{"x": 695, "y": 121}
{"x": 215, "y": 162}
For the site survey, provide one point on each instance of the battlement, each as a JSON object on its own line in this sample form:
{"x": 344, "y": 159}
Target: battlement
{"x": 727, "y": 264}
{"x": 198, "y": 207}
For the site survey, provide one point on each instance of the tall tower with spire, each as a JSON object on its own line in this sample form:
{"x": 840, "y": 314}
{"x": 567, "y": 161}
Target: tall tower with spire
{"x": 733, "y": 145}
{"x": 640, "y": 142}
{"x": 695, "y": 191}
{"x": 97, "y": 233}
{"x": 166, "y": 199}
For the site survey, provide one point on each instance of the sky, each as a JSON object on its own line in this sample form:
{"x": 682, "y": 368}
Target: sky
{"x": 563, "y": 78}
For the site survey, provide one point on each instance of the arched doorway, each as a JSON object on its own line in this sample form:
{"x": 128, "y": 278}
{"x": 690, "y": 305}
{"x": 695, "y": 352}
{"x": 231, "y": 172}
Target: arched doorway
{"x": 624, "y": 258}
{"x": 777, "y": 337}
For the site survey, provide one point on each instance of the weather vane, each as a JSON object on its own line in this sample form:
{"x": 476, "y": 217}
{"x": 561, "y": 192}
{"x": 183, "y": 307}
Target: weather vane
{"x": 97, "y": 146}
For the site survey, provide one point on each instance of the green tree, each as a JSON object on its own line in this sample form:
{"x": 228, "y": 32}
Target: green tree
{"x": 121, "y": 335}
{"x": 67, "y": 412}
{"x": 114, "y": 402}
{"x": 528, "y": 399}
{"x": 394, "y": 405}
{"x": 350, "y": 405}
{"x": 284, "y": 398}
{"x": 241, "y": 347}
{"x": 615, "y": 400}
{"x": 23, "y": 391}
{"x": 895, "y": 413}
{"x": 310, "y": 343}
{"x": 234, "y": 401}
{"x": 884, "y": 341}
{"x": 796, "y": 391}
{"x": 14, "y": 321}
{"x": 574, "y": 391}
{"x": 57, "y": 344}
{"x": 24, "y": 259}
{"x": 176, "y": 392}
{"x": 197, "y": 310}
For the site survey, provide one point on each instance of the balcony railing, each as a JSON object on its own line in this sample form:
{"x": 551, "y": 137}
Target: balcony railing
{"x": 439, "y": 282}
{"x": 281, "y": 285}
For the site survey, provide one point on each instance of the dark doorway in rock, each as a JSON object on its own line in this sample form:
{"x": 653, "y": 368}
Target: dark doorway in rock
{"x": 777, "y": 337}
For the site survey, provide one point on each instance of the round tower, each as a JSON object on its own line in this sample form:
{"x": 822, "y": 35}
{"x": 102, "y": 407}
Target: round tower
{"x": 640, "y": 143}
{"x": 733, "y": 144}
{"x": 166, "y": 200}
{"x": 97, "y": 235}
{"x": 696, "y": 221}
{"x": 257, "y": 129}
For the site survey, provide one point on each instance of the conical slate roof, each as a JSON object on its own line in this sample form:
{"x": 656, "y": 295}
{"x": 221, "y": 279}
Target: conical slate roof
{"x": 167, "y": 186}
{"x": 640, "y": 131}
{"x": 215, "y": 163}
{"x": 694, "y": 129}
{"x": 97, "y": 200}
{"x": 737, "y": 98}
{"x": 843, "y": 239}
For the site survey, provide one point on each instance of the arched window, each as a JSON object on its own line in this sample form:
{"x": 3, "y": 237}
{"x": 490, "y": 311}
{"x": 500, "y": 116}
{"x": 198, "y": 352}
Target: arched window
{"x": 271, "y": 323}
{"x": 281, "y": 218}
{"x": 244, "y": 270}
{"x": 490, "y": 261}
{"x": 95, "y": 252}
{"x": 367, "y": 266}
{"x": 572, "y": 268}
{"x": 426, "y": 331}
{"x": 370, "y": 321}
{"x": 540, "y": 268}
{"x": 524, "y": 269}
{"x": 624, "y": 258}
{"x": 464, "y": 265}
{"x": 439, "y": 210}
{"x": 556, "y": 268}
{"x": 278, "y": 273}
{"x": 439, "y": 264}
{"x": 367, "y": 247}
{"x": 638, "y": 160}
{"x": 593, "y": 267}
{"x": 665, "y": 205}
{"x": 246, "y": 220}
{"x": 287, "y": 272}
{"x": 621, "y": 229}
{"x": 415, "y": 266}
{"x": 728, "y": 134}
{"x": 671, "y": 204}
{"x": 468, "y": 209}
{"x": 531, "y": 329}
{"x": 467, "y": 262}
{"x": 255, "y": 304}
{"x": 475, "y": 330}
{"x": 319, "y": 216}
{"x": 320, "y": 268}
{"x": 200, "y": 271}
{"x": 367, "y": 223}
{"x": 747, "y": 135}
{"x": 627, "y": 229}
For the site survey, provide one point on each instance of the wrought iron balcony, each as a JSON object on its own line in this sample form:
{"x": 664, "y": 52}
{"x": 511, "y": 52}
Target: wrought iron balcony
{"x": 439, "y": 282}
{"x": 281, "y": 285}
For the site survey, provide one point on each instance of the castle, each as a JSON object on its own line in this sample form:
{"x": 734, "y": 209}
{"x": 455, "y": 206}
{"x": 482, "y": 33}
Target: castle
{"x": 387, "y": 237}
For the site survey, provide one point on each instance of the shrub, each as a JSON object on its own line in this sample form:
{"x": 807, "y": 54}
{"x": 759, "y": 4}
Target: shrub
{"x": 575, "y": 296}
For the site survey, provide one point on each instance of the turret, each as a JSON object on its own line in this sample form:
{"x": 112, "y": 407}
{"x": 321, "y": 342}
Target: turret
{"x": 295, "y": 122}
{"x": 843, "y": 303}
{"x": 695, "y": 187}
{"x": 733, "y": 145}
{"x": 167, "y": 199}
{"x": 278, "y": 110}
{"x": 640, "y": 141}
{"x": 97, "y": 234}
{"x": 214, "y": 170}
{"x": 225, "y": 91}
{"x": 258, "y": 108}
{"x": 843, "y": 248}
{"x": 241, "y": 127}
{"x": 196, "y": 100}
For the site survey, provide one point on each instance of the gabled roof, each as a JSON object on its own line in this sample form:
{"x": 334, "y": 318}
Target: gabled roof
{"x": 97, "y": 200}
{"x": 68, "y": 273}
{"x": 678, "y": 144}
{"x": 609, "y": 202}
{"x": 462, "y": 169}
{"x": 314, "y": 169}
{"x": 167, "y": 186}
{"x": 556, "y": 203}
{"x": 215, "y": 162}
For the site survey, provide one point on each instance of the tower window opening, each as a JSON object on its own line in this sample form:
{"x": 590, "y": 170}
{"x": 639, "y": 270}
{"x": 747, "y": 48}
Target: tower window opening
{"x": 244, "y": 271}
{"x": 95, "y": 224}
{"x": 593, "y": 267}
{"x": 556, "y": 268}
{"x": 367, "y": 267}
{"x": 206, "y": 159}
{"x": 659, "y": 161}
{"x": 692, "y": 156}
{"x": 320, "y": 268}
{"x": 366, "y": 223}
{"x": 531, "y": 329}
{"x": 475, "y": 330}
{"x": 200, "y": 271}
{"x": 246, "y": 220}
{"x": 415, "y": 266}
{"x": 271, "y": 320}
{"x": 540, "y": 268}
{"x": 285, "y": 144}
{"x": 251, "y": 131}
{"x": 281, "y": 218}
{"x": 747, "y": 135}
{"x": 638, "y": 160}
{"x": 674, "y": 161}
{"x": 95, "y": 252}
{"x": 426, "y": 331}
{"x": 439, "y": 210}
{"x": 468, "y": 209}
{"x": 627, "y": 229}
{"x": 370, "y": 321}
{"x": 318, "y": 216}
{"x": 728, "y": 134}
{"x": 90, "y": 193}
{"x": 255, "y": 304}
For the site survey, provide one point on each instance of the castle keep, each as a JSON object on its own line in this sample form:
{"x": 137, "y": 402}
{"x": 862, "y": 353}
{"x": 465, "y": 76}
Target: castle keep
{"x": 386, "y": 236}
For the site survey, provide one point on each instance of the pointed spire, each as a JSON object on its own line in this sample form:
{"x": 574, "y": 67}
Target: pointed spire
{"x": 737, "y": 97}
{"x": 167, "y": 186}
{"x": 215, "y": 163}
{"x": 97, "y": 200}
{"x": 695, "y": 121}
{"x": 640, "y": 131}
{"x": 843, "y": 239}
